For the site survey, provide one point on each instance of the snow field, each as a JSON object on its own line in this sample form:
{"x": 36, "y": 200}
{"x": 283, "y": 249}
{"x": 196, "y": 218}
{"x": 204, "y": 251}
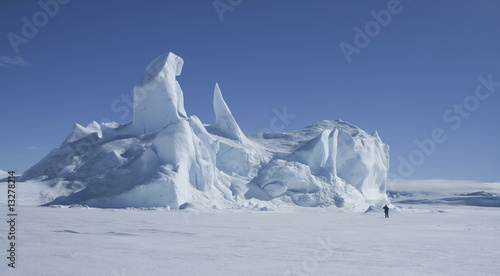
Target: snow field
{"x": 434, "y": 240}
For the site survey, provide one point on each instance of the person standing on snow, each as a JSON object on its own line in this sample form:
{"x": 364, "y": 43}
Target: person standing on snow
{"x": 386, "y": 210}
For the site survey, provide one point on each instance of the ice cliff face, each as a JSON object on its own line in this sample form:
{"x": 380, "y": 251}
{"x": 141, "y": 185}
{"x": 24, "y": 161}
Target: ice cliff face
{"x": 158, "y": 98}
{"x": 166, "y": 158}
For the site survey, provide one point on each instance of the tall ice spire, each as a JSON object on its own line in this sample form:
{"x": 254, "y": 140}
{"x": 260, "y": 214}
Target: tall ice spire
{"x": 158, "y": 98}
{"x": 225, "y": 124}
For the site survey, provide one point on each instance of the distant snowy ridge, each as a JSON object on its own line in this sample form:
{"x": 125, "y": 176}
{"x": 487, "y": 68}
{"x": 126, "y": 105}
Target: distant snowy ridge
{"x": 442, "y": 191}
{"x": 166, "y": 158}
{"x": 3, "y": 174}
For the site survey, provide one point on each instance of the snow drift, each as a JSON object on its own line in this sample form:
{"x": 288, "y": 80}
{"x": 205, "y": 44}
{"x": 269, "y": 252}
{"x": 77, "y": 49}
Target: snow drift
{"x": 166, "y": 158}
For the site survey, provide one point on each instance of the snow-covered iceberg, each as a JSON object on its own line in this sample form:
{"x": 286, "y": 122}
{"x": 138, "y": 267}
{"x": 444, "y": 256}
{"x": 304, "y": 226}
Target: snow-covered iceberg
{"x": 166, "y": 158}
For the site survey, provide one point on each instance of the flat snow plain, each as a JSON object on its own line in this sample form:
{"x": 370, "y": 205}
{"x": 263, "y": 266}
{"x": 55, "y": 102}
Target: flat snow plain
{"x": 427, "y": 234}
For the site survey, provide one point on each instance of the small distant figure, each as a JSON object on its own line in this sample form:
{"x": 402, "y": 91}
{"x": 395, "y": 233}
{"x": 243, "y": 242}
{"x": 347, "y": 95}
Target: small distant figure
{"x": 386, "y": 210}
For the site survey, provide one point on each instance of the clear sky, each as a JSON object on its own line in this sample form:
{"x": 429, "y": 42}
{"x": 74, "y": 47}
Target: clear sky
{"x": 412, "y": 77}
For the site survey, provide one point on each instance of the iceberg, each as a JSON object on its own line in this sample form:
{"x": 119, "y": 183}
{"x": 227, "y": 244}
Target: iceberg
{"x": 166, "y": 158}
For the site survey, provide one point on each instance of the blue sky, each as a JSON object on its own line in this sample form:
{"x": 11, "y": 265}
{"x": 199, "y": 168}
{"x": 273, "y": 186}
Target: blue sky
{"x": 416, "y": 75}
